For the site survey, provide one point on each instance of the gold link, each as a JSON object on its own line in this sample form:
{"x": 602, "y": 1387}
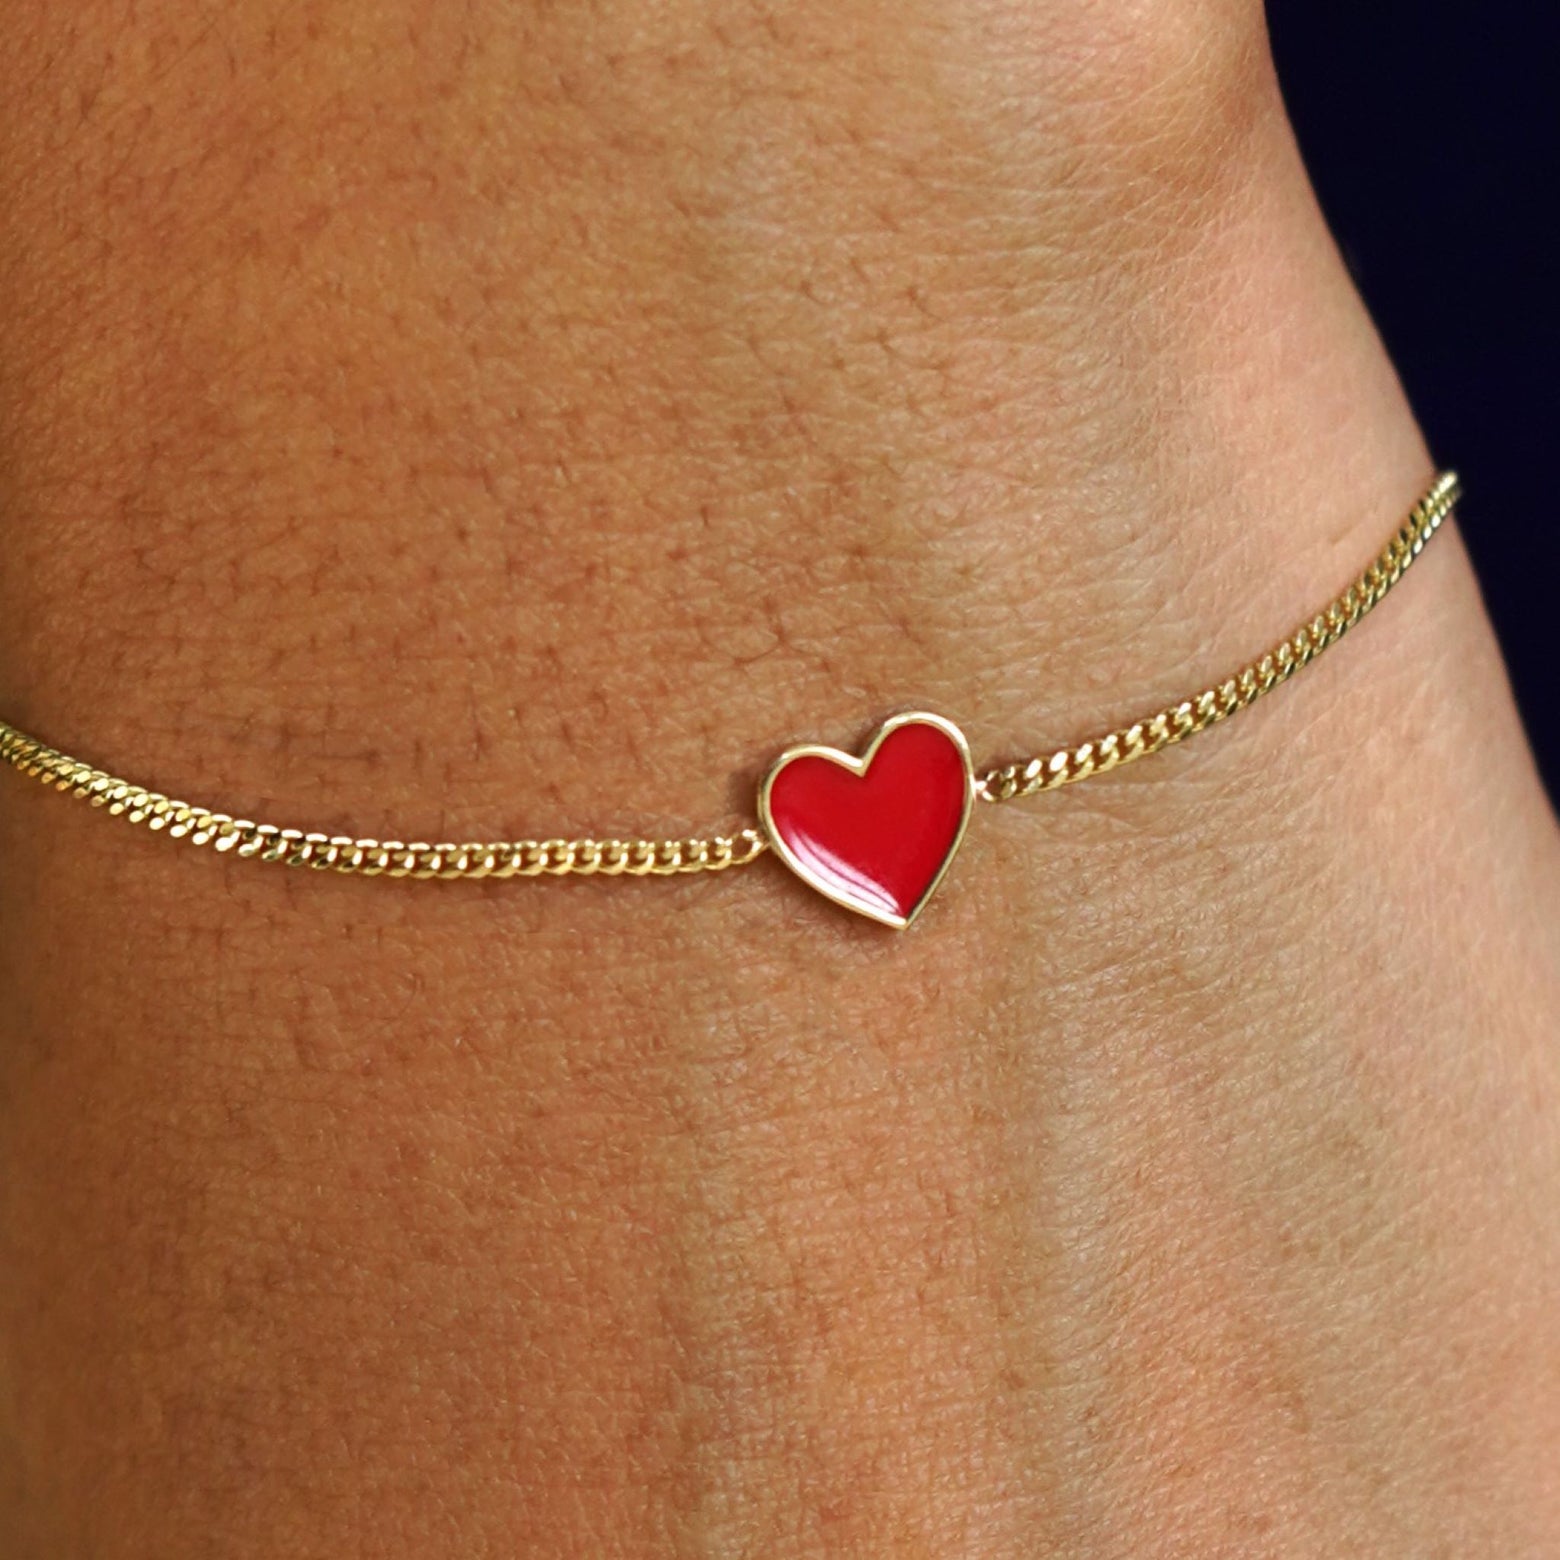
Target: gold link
{"x": 478, "y": 860}
{"x": 343, "y": 853}
{"x": 506, "y": 862}
{"x": 257, "y": 841}
{"x": 320, "y": 854}
{"x": 231, "y": 834}
{"x": 207, "y": 827}
{"x": 377, "y": 857}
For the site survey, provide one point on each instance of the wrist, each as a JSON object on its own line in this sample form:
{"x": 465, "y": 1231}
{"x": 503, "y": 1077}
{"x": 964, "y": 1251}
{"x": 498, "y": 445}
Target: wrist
{"x": 1142, "y": 1204}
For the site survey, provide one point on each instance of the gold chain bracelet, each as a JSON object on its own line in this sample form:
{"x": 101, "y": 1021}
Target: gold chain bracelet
{"x": 875, "y": 833}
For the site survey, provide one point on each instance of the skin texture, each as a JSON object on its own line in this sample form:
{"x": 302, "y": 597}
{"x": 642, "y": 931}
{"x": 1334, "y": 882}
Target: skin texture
{"x": 430, "y": 420}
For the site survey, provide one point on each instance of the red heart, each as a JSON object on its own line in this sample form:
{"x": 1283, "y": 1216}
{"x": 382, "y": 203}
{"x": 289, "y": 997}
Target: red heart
{"x": 875, "y": 833}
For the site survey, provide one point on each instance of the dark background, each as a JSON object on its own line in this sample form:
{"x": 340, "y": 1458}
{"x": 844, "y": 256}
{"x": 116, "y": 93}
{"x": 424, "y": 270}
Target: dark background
{"x": 1432, "y": 132}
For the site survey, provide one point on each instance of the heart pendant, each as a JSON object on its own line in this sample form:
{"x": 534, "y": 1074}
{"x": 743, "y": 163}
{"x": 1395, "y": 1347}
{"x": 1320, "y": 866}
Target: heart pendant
{"x": 875, "y": 833}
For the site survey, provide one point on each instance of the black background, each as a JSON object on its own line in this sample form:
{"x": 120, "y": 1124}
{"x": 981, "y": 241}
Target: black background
{"x": 1432, "y": 133}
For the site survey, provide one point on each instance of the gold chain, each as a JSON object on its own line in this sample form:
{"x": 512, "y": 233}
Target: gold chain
{"x": 664, "y": 858}
{"x": 372, "y": 858}
{"x": 1176, "y": 722}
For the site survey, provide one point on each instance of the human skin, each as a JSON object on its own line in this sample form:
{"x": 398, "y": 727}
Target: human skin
{"x": 457, "y": 421}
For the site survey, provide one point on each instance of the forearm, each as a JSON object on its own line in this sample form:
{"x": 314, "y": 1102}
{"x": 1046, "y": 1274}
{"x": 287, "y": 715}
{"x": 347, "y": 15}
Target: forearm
{"x": 527, "y": 425}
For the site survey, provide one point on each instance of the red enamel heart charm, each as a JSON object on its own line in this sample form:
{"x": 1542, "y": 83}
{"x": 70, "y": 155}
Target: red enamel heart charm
{"x": 875, "y": 833}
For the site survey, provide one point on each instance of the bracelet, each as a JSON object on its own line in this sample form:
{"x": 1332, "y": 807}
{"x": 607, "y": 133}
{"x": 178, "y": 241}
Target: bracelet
{"x": 875, "y": 833}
